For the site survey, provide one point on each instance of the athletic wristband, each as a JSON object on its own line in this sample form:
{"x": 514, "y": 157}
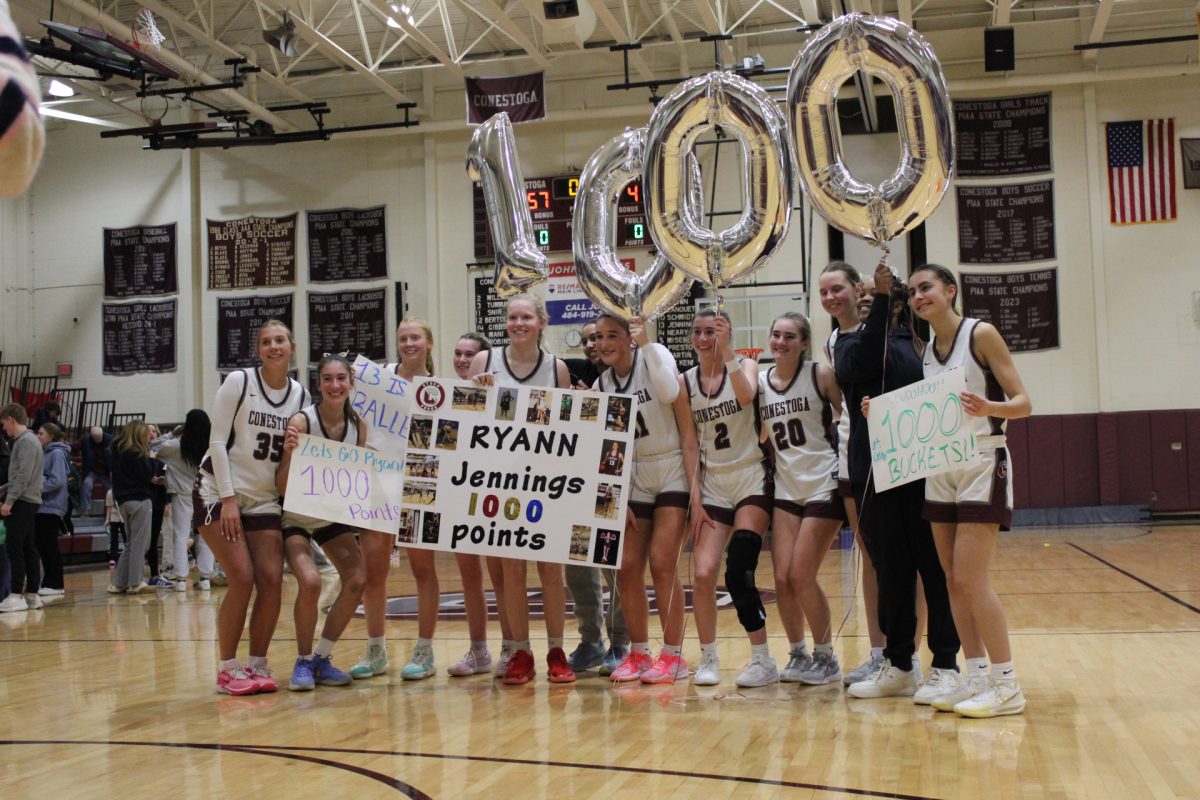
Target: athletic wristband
{"x": 733, "y": 365}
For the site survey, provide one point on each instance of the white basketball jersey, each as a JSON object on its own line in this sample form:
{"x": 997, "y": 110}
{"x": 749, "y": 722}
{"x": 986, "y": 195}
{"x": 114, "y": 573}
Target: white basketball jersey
{"x": 655, "y": 431}
{"x": 544, "y": 374}
{"x": 317, "y": 428}
{"x": 255, "y": 442}
{"x": 800, "y": 427}
{"x": 989, "y": 431}
{"x": 728, "y": 430}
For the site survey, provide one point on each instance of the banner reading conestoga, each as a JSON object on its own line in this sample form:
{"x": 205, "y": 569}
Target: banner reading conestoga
{"x": 522, "y": 97}
{"x": 517, "y": 471}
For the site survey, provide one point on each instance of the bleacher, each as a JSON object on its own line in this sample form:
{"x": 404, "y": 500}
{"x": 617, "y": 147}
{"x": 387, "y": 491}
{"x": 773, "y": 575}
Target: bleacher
{"x": 77, "y": 417}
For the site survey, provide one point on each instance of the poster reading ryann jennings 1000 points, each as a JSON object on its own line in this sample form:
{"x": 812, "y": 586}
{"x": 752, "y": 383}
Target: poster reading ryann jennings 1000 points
{"x": 523, "y": 472}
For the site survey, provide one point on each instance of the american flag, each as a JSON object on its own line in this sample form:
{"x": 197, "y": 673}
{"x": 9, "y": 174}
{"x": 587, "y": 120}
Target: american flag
{"x": 1141, "y": 171}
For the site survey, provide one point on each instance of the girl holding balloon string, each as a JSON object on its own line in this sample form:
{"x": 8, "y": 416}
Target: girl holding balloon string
{"x": 523, "y": 361}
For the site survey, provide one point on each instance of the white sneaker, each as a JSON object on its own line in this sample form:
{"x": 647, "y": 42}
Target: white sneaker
{"x": 824, "y": 668}
{"x": 916, "y": 662}
{"x": 937, "y": 683}
{"x": 760, "y": 671}
{"x": 46, "y": 592}
{"x": 797, "y": 665}
{"x": 33, "y": 601}
{"x": 966, "y": 690}
{"x": 998, "y": 699}
{"x": 471, "y": 664}
{"x": 181, "y": 585}
{"x": 866, "y": 669}
{"x": 204, "y": 585}
{"x": 708, "y": 671}
{"x": 888, "y": 682}
{"x": 14, "y": 602}
{"x": 506, "y": 654}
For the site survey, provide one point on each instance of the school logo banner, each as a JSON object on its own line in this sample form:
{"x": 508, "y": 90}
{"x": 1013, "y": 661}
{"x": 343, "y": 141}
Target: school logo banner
{"x": 518, "y": 471}
{"x": 523, "y": 97}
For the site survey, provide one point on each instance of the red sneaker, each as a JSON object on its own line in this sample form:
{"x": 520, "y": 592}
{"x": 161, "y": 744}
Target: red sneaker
{"x": 261, "y": 675}
{"x": 520, "y": 668}
{"x": 557, "y": 667}
{"x": 235, "y": 682}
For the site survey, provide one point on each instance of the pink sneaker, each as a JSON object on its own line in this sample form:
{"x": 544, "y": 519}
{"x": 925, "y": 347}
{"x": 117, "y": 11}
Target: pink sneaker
{"x": 235, "y": 682}
{"x": 631, "y": 668}
{"x": 666, "y": 669}
{"x": 261, "y": 675}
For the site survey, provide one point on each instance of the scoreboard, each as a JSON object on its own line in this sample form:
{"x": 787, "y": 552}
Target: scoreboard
{"x": 551, "y": 203}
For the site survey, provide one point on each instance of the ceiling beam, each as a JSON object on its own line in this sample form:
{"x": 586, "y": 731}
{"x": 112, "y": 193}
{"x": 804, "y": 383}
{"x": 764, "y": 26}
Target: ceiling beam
{"x": 417, "y": 36}
{"x": 1099, "y": 25}
{"x": 615, "y": 30}
{"x": 490, "y": 10}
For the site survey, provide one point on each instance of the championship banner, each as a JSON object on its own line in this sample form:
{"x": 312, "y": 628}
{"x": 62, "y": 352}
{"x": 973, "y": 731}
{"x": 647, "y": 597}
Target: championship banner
{"x": 522, "y": 97}
{"x": 916, "y": 431}
{"x": 517, "y": 471}
{"x": 1191, "y": 163}
{"x": 339, "y": 482}
{"x": 384, "y": 401}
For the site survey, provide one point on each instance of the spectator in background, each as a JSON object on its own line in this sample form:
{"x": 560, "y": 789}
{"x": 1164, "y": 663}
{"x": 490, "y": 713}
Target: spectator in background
{"x": 47, "y": 413}
{"x": 22, "y": 496}
{"x": 115, "y": 526}
{"x": 182, "y": 451}
{"x": 21, "y": 132}
{"x": 158, "y": 508}
{"x": 49, "y": 521}
{"x": 133, "y": 480}
{"x": 97, "y": 463}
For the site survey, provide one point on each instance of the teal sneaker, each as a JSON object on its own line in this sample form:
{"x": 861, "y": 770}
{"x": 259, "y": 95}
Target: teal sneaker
{"x": 302, "y": 676}
{"x": 375, "y": 662}
{"x": 421, "y": 665}
{"x": 326, "y": 674}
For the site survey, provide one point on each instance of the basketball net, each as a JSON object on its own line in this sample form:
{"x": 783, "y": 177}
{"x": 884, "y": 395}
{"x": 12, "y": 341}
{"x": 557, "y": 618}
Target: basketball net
{"x": 145, "y": 31}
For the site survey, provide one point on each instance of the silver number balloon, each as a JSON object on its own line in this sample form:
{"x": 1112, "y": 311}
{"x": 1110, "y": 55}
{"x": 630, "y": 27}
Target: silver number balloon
{"x": 492, "y": 160}
{"x": 747, "y": 112}
{"x": 602, "y": 276}
{"x": 905, "y": 61}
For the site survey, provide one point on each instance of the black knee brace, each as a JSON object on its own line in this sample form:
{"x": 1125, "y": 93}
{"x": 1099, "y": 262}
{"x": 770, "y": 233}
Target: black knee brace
{"x": 741, "y": 561}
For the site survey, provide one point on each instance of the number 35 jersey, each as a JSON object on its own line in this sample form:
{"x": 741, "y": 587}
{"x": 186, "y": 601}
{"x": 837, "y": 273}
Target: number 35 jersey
{"x": 728, "y": 431}
{"x": 800, "y": 427}
{"x": 255, "y": 435}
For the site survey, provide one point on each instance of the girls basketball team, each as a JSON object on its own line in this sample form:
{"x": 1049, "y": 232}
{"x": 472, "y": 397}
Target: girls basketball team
{"x": 721, "y": 453}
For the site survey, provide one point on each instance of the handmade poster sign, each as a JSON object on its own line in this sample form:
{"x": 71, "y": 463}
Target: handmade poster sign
{"x": 517, "y": 471}
{"x": 342, "y": 483}
{"x": 917, "y": 431}
{"x": 384, "y": 400}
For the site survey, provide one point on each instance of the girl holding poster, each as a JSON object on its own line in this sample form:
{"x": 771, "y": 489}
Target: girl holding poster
{"x": 236, "y": 503}
{"x": 798, "y": 400}
{"x": 414, "y": 345}
{"x": 659, "y": 498}
{"x": 333, "y": 418}
{"x": 734, "y": 496}
{"x": 523, "y": 361}
{"x": 968, "y": 507}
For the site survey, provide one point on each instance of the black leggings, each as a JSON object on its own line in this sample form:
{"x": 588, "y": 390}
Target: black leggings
{"x": 48, "y": 527}
{"x": 22, "y": 548}
{"x": 900, "y": 544}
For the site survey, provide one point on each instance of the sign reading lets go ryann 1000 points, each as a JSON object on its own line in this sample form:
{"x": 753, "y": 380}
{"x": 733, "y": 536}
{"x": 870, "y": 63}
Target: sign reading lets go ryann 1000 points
{"x": 917, "y": 431}
{"x": 339, "y": 482}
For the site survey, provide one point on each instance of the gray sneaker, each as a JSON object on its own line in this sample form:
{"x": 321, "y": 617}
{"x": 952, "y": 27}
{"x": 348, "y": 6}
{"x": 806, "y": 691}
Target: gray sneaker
{"x": 864, "y": 670}
{"x": 798, "y": 663}
{"x": 612, "y": 659}
{"x": 823, "y": 669}
{"x": 587, "y": 656}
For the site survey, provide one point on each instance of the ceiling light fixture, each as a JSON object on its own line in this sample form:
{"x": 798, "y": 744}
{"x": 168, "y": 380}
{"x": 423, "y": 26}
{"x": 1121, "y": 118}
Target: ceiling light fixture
{"x": 59, "y": 89}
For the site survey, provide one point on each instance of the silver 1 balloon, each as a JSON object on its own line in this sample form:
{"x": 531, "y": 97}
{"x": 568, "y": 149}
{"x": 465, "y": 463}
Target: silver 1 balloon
{"x": 906, "y": 63}
{"x": 492, "y": 160}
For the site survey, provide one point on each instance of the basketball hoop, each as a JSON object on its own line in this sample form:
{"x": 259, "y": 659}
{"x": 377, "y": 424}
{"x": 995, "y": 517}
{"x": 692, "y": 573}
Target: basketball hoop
{"x": 751, "y": 353}
{"x": 145, "y": 31}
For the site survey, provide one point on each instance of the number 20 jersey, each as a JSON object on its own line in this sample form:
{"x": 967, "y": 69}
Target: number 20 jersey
{"x": 800, "y": 427}
{"x": 728, "y": 431}
{"x": 255, "y": 443}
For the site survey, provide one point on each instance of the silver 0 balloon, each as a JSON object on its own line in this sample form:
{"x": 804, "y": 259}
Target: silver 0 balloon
{"x": 748, "y": 113}
{"x": 899, "y": 55}
{"x": 492, "y": 160}
{"x": 604, "y": 279}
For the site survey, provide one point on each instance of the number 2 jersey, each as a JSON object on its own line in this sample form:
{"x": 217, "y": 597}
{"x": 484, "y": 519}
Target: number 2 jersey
{"x": 800, "y": 425}
{"x": 249, "y": 421}
{"x": 728, "y": 431}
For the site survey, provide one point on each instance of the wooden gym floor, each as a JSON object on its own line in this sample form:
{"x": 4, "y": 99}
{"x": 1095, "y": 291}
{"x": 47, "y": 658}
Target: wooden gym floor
{"x": 105, "y": 697}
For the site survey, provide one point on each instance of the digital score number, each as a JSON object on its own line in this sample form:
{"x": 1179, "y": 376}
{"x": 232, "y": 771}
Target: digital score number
{"x": 551, "y": 204}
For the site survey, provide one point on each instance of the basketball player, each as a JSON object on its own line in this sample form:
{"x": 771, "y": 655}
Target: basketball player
{"x": 334, "y": 419}
{"x": 733, "y": 496}
{"x": 523, "y": 361}
{"x": 236, "y": 503}
{"x": 465, "y": 349}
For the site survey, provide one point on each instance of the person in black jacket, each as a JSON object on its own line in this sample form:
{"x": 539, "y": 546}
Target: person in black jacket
{"x": 133, "y": 481}
{"x": 898, "y": 539}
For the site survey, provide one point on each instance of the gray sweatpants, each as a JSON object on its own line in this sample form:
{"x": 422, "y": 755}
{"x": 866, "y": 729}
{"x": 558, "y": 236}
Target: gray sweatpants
{"x": 584, "y": 584}
{"x": 136, "y": 514}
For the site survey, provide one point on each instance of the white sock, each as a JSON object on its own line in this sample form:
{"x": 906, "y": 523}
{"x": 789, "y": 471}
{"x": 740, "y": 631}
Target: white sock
{"x": 709, "y": 649}
{"x": 763, "y": 649}
{"x": 324, "y": 648}
{"x": 306, "y": 657}
{"x": 1004, "y": 671}
{"x": 554, "y": 641}
{"x": 230, "y": 665}
{"x": 977, "y": 667}
{"x": 256, "y": 661}
{"x": 876, "y": 652}
{"x": 376, "y": 641}
{"x": 522, "y": 644}
{"x": 672, "y": 649}
{"x": 799, "y": 648}
{"x": 423, "y": 642}
{"x": 826, "y": 648}
{"x": 508, "y": 644}
{"x": 479, "y": 648}
{"x": 642, "y": 648}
